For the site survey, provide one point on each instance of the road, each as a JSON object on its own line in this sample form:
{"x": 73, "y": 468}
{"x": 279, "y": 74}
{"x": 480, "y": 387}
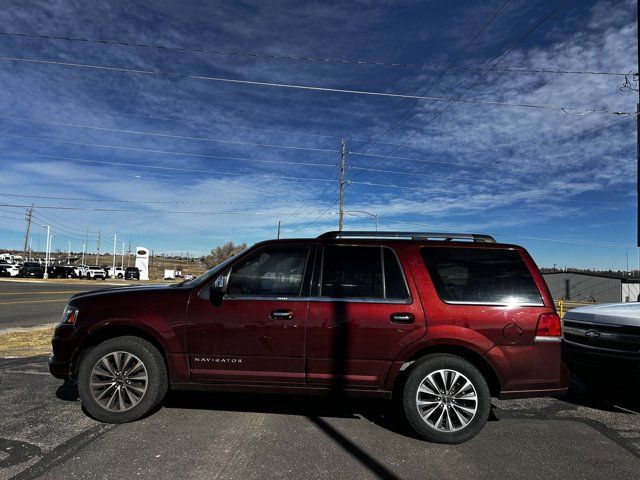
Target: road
{"x": 45, "y": 434}
{"x": 27, "y": 303}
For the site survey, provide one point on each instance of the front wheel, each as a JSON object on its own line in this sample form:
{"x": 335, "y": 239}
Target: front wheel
{"x": 122, "y": 379}
{"x": 446, "y": 399}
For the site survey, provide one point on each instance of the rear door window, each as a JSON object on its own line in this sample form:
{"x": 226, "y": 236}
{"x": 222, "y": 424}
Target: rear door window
{"x": 362, "y": 272}
{"x": 480, "y": 276}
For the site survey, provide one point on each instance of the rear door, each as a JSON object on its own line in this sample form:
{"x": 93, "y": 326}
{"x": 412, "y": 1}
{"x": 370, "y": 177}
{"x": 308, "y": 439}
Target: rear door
{"x": 361, "y": 314}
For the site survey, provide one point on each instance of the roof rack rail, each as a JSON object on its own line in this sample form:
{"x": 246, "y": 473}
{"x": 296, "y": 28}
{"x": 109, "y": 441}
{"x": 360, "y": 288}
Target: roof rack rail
{"x": 476, "y": 237}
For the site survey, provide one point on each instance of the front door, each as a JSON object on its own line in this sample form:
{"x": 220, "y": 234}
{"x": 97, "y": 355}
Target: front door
{"x": 361, "y": 315}
{"x": 256, "y": 334}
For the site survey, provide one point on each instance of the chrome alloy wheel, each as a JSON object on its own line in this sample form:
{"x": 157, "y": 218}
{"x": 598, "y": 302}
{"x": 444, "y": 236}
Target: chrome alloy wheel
{"x": 118, "y": 381}
{"x": 447, "y": 400}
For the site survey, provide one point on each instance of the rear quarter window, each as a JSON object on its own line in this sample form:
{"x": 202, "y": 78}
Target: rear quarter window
{"x": 480, "y": 276}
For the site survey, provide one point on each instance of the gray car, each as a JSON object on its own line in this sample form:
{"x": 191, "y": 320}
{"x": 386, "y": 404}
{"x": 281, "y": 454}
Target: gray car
{"x": 601, "y": 343}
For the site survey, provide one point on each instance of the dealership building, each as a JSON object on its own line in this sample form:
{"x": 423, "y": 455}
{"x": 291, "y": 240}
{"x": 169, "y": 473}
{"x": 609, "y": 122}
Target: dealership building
{"x": 592, "y": 287}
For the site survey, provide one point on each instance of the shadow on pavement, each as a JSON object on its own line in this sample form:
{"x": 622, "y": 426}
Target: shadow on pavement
{"x": 378, "y": 469}
{"x": 608, "y": 398}
{"x": 68, "y": 391}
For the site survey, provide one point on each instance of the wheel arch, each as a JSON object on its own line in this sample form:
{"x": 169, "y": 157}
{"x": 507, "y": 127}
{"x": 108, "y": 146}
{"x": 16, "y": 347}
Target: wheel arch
{"x": 473, "y": 357}
{"x": 108, "y": 332}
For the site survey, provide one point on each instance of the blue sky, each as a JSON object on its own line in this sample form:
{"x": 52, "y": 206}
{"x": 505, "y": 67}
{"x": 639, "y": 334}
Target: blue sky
{"x": 523, "y": 174}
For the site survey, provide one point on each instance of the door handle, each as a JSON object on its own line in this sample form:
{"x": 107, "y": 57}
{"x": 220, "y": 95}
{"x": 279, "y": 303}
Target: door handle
{"x": 282, "y": 315}
{"x": 402, "y": 318}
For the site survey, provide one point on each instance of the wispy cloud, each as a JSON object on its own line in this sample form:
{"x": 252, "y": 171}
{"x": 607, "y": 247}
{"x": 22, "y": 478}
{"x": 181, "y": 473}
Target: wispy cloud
{"x": 520, "y": 183}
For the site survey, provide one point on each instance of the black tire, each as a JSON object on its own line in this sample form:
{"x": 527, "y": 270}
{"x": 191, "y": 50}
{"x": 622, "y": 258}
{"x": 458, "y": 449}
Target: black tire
{"x": 157, "y": 383}
{"x": 418, "y": 373}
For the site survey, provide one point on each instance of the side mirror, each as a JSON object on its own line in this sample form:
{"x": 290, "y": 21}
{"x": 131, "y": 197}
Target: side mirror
{"x": 218, "y": 288}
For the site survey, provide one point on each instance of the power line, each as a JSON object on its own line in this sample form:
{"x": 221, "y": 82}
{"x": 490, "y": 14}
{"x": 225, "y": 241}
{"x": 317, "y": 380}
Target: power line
{"x": 495, "y": 61}
{"x": 62, "y": 207}
{"x": 532, "y": 149}
{"x": 57, "y": 229}
{"x": 164, "y": 135}
{"x": 192, "y": 170}
{"x": 525, "y": 237}
{"x": 308, "y": 58}
{"x": 63, "y": 221}
{"x": 405, "y": 115}
{"x": 48, "y": 217}
{"x": 148, "y": 150}
{"x": 44, "y": 197}
{"x": 404, "y": 187}
{"x": 11, "y": 218}
{"x": 312, "y": 88}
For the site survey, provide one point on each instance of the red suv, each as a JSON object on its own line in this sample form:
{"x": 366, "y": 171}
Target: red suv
{"x": 441, "y": 322}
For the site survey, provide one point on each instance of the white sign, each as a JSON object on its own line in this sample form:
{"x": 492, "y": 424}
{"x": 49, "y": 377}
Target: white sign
{"x": 142, "y": 262}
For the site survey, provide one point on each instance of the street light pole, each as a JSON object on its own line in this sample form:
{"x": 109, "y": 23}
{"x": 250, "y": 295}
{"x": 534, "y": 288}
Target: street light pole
{"x": 113, "y": 272}
{"x": 69, "y": 252}
{"x": 122, "y": 261}
{"x": 84, "y": 247}
{"x": 46, "y": 255}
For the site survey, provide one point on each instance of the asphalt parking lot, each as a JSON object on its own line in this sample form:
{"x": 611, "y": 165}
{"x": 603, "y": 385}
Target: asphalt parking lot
{"x": 45, "y": 434}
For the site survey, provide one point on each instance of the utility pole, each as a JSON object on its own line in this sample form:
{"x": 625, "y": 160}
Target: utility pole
{"x": 278, "y": 236}
{"x": 69, "y": 253}
{"x": 343, "y": 157}
{"x": 26, "y": 237}
{"x": 84, "y": 247}
{"x": 122, "y": 260}
{"x": 98, "y": 247}
{"x": 128, "y": 253}
{"x": 637, "y": 75}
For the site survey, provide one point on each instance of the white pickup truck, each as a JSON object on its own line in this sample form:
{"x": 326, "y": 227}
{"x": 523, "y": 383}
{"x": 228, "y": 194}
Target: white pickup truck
{"x": 119, "y": 272}
{"x": 95, "y": 271}
{"x": 12, "y": 268}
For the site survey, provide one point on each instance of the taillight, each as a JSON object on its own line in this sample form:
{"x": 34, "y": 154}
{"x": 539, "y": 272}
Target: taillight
{"x": 549, "y": 326}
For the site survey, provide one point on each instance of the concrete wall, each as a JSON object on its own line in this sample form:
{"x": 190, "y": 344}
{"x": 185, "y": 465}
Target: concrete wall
{"x": 577, "y": 287}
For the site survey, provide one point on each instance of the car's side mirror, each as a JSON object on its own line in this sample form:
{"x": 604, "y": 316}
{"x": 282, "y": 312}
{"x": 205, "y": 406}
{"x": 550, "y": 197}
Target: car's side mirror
{"x": 218, "y": 289}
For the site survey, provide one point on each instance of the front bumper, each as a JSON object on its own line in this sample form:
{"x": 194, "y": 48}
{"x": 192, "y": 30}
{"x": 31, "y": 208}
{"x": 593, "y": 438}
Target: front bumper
{"x": 64, "y": 342}
{"x": 600, "y": 363}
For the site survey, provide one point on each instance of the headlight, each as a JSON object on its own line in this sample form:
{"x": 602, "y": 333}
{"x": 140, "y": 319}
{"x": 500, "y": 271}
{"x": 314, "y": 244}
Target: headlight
{"x": 70, "y": 315}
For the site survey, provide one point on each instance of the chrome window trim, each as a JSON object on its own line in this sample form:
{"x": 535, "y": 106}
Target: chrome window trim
{"x": 494, "y": 304}
{"x": 266, "y": 298}
{"x": 361, "y": 300}
{"x": 318, "y": 299}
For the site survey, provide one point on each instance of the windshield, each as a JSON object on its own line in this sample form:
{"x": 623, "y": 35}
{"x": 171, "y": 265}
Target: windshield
{"x": 209, "y": 274}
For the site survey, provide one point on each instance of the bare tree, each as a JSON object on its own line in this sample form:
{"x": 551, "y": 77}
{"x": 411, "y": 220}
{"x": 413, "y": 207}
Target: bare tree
{"x": 220, "y": 253}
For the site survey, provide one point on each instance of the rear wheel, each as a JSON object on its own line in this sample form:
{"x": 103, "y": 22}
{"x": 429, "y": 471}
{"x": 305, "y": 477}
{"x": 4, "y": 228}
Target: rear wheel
{"x": 122, "y": 379}
{"x": 446, "y": 399}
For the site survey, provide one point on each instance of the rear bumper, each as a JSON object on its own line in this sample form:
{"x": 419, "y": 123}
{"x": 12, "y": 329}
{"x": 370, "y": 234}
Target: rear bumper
{"x": 529, "y": 371}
